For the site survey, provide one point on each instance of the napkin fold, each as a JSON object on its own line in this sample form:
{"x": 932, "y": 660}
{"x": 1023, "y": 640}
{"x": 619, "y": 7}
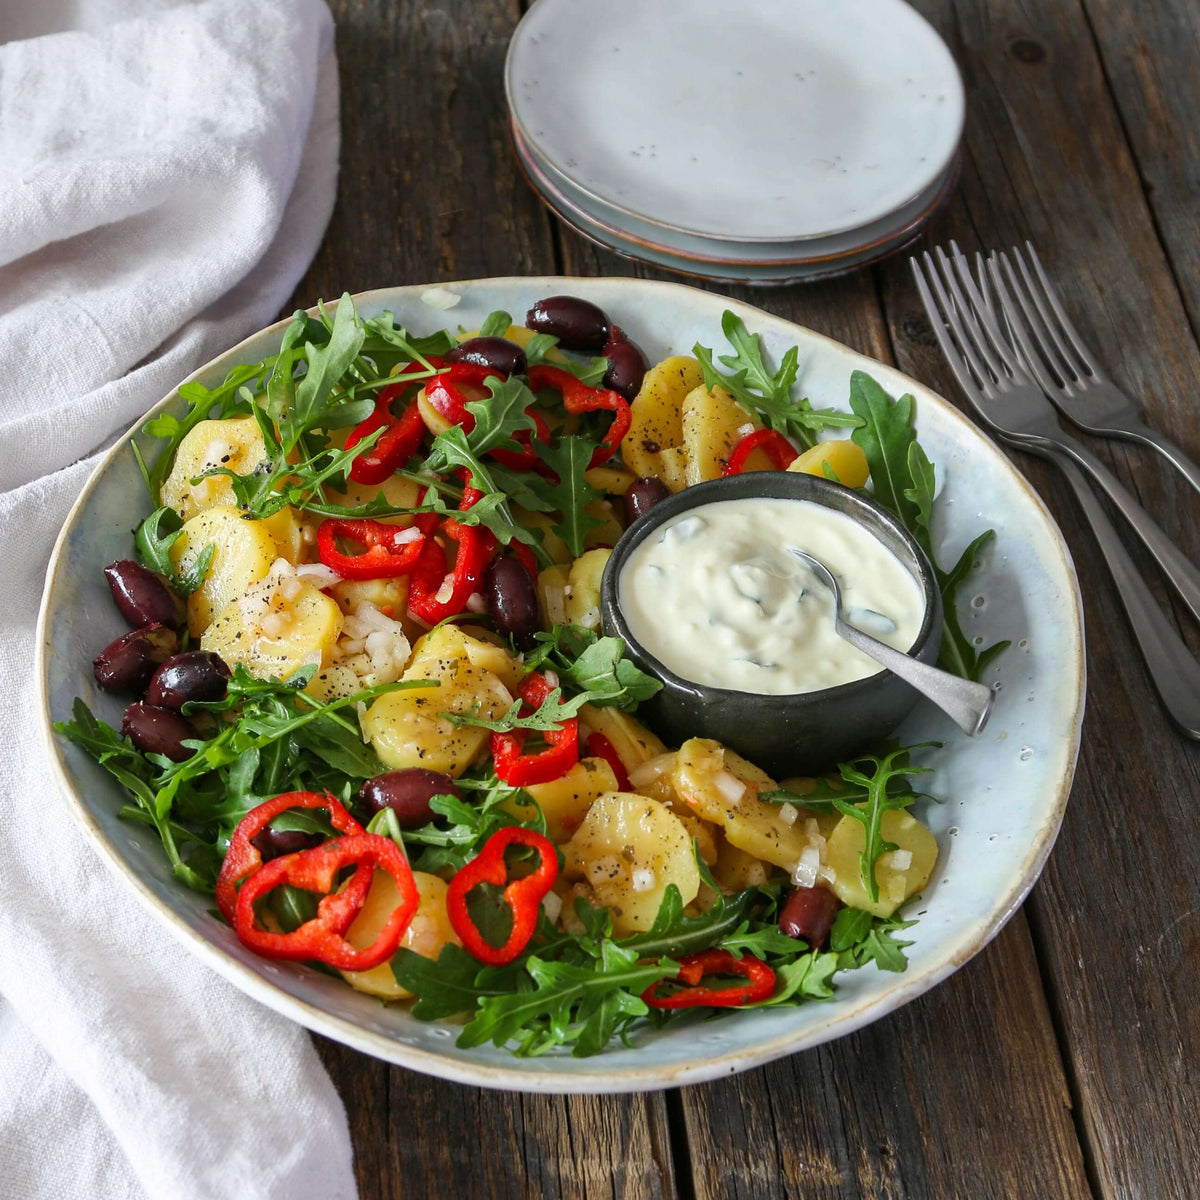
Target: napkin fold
{"x": 166, "y": 173}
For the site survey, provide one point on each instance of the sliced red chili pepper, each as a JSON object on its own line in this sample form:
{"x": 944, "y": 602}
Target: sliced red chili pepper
{"x": 403, "y": 433}
{"x": 561, "y": 753}
{"x": 774, "y": 445}
{"x": 434, "y": 594}
{"x": 525, "y": 459}
{"x": 443, "y": 394}
{"x": 759, "y": 985}
{"x": 523, "y": 896}
{"x": 243, "y": 858}
{"x": 598, "y": 746}
{"x": 579, "y": 398}
{"x": 316, "y": 870}
{"x": 391, "y": 550}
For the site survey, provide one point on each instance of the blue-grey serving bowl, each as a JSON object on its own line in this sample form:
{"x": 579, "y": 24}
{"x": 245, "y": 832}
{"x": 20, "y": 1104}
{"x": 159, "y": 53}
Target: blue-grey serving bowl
{"x": 792, "y": 734}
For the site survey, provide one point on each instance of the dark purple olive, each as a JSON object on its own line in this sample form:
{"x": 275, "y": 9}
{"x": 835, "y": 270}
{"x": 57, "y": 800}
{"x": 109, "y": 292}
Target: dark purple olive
{"x": 127, "y": 664}
{"x": 642, "y": 495}
{"x": 158, "y": 730}
{"x": 627, "y": 365}
{"x": 808, "y": 913}
{"x": 511, "y": 598}
{"x": 144, "y": 597}
{"x": 495, "y": 353}
{"x": 274, "y": 843}
{"x": 407, "y": 793}
{"x": 578, "y": 324}
{"x": 193, "y": 675}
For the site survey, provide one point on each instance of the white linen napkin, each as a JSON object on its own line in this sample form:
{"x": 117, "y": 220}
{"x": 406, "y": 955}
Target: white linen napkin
{"x": 164, "y": 182}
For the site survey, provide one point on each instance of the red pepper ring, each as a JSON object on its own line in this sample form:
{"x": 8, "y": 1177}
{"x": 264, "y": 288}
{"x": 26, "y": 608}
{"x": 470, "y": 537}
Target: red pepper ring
{"x": 519, "y": 769}
{"x": 243, "y": 857}
{"x": 391, "y": 550}
{"x": 442, "y": 393}
{"x": 526, "y": 458}
{"x": 760, "y": 982}
{"x": 772, "y": 443}
{"x": 523, "y": 896}
{"x": 598, "y": 746}
{"x": 316, "y": 871}
{"x": 579, "y": 398}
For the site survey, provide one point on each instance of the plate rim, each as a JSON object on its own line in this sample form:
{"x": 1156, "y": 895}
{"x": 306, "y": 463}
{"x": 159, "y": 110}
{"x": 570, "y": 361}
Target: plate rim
{"x": 627, "y": 1079}
{"x": 958, "y": 85}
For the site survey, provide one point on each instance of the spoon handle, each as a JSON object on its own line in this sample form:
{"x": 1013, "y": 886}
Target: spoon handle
{"x": 967, "y": 704}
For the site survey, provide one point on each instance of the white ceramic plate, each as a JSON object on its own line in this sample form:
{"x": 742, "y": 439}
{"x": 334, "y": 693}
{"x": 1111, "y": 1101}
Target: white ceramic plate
{"x": 1003, "y": 796}
{"x": 827, "y": 257}
{"x": 808, "y": 254}
{"x": 772, "y": 120}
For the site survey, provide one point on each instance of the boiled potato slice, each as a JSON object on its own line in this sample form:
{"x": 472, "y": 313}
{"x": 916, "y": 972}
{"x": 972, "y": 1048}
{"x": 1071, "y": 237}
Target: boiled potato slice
{"x": 845, "y": 460}
{"x": 632, "y": 741}
{"x": 334, "y": 683}
{"x": 723, "y": 787}
{"x": 609, "y": 531}
{"x": 390, "y": 596}
{"x": 296, "y": 625}
{"x": 843, "y": 853}
{"x": 582, "y": 591}
{"x": 235, "y": 443}
{"x": 613, "y": 480}
{"x": 552, "y": 594}
{"x": 406, "y": 728}
{"x": 713, "y": 423}
{"x": 736, "y": 870}
{"x": 292, "y": 536}
{"x": 484, "y": 650}
{"x": 673, "y": 468}
{"x": 243, "y": 554}
{"x": 551, "y": 542}
{"x": 657, "y": 414}
{"x": 399, "y": 493}
{"x": 630, "y": 848}
{"x": 429, "y": 931}
{"x": 564, "y": 802}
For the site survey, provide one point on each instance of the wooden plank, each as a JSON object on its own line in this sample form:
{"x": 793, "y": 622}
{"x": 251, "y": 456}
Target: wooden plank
{"x": 1115, "y": 913}
{"x": 897, "y": 1108}
{"x": 1149, "y": 53}
{"x": 428, "y": 192}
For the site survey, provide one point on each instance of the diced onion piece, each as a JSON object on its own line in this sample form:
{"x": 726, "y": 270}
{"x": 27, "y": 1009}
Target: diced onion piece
{"x": 901, "y": 860}
{"x": 320, "y": 575}
{"x": 805, "y": 874}
{"x": 643, "y": 879}
{"x": 552, "y": 906}
{"x": 476, "y": 603}
{"x": 730, "y": 786}
{"x": 745, "y": 430}
{"x": 446, "y": 590}
{"x": 440, "y": 298}
{"x": 651, "y": 769}
{"x": 604, "y": 868}
{"x": 788, "y": 813}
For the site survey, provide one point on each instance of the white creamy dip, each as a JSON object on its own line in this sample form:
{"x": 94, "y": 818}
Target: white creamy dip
{"x": 715, "y": 595}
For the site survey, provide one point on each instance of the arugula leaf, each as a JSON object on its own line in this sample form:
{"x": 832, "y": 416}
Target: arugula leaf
{"x": 957, "y": 653}
{"x": 591, "y": 372}
{"x": 444, "y": 988}
{"x": 548, "y": 716}
{"x": 807, "y": 977}
{"x": 920, "y": 471}
{"x": 495, "y": 324}
{"x": 857, "y": 938}
{"x": 153, "y": 540}
{"x": 885, "y": 436}
{"x": 568, "y": 457}
{"x": 383, "y": 334}
{"x": 594, "y": 665}
{"x": 500, "y": 416}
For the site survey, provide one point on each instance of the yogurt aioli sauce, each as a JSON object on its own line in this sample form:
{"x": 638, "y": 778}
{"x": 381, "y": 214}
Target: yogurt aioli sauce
{"x": 715, "y": 595}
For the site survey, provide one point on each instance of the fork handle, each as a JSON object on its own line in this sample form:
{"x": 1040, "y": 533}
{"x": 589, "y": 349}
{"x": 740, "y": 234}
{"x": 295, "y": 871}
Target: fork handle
{"x": 1180, "y": 571}
{"x": 1173, "y": 671}
{"x": 1135, "y": 431}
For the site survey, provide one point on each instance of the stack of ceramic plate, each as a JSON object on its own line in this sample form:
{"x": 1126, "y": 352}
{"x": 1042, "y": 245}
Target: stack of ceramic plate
{"x": 766, "y": 142}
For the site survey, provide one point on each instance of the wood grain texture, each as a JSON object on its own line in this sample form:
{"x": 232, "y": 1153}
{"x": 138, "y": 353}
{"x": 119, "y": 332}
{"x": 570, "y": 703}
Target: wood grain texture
{"x": 1115, "y": 914}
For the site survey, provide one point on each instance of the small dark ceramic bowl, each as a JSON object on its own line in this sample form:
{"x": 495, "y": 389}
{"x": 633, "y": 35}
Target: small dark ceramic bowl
{"x": 791, "y": 734}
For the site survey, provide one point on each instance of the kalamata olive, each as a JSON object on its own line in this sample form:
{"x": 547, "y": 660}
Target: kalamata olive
{"x": 627, "y": 365}
{"x": 808, "y": 914}
{"x": 158, "y": 730}
{"x": 511, "y": 598}
{"x": 274, "y": 843}
{"x": 578, "y": 324}
{"x": 193, "y": 675}
{"x": 127, "y": 664}
{"x": 144, "y": 598}
{"x": 495, "y": 353}
{"x": 642, "y": 495}
{"x": 407, "y": 793}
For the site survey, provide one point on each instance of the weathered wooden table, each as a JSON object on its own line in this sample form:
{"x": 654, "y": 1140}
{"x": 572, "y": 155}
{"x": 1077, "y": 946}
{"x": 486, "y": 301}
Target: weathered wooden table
{"x": 1063, "y": 1061}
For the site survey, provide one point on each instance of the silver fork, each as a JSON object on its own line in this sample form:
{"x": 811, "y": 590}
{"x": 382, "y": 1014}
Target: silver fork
{"x": 1068, "y": 372}
{"x": 1010, "y": 404}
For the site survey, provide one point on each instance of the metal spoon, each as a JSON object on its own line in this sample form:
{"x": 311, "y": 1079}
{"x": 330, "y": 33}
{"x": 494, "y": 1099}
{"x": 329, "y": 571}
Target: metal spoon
{"x": 967, "y": 704}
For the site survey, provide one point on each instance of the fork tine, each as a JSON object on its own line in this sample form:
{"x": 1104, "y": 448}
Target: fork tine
{"x": 1016, "y": 314}
{"x": 1077, "y": 343}
{"x": 961, "y": 310}
{"x": 1043, "y": 327}
{"x": 982, "y": 315}
{"x": 970, "y": 374}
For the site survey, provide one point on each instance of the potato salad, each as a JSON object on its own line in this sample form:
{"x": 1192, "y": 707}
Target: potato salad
{"x": 368, "y": 704}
